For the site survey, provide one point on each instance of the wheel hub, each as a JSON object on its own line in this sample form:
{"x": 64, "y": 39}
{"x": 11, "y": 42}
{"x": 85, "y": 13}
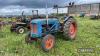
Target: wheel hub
{"x": 49, "y": 43}
{"x": 21, "y": 30}
{"x": 72, "y": 30}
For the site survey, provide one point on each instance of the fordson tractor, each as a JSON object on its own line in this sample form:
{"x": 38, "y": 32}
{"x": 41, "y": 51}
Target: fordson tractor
{"x": 45, "y": 30}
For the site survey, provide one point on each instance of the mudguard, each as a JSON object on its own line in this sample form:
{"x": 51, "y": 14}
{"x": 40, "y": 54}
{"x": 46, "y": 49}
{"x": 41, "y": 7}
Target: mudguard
{"x": 67, "y": 17}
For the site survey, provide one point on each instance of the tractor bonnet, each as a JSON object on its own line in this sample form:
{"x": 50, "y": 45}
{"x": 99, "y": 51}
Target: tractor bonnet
{"x": 43, "y": 21}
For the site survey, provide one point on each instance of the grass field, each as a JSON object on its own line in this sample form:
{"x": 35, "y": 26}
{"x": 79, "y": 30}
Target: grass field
{"x": 87, "y": 42}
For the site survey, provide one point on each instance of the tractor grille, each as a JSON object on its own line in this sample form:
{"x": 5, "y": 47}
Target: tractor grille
{"x": 33, "y": 28}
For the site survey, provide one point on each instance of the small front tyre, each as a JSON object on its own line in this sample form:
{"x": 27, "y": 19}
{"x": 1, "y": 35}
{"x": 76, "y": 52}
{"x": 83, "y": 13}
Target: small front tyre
{"x": 28, "y": 38}
{"x": 48, "y": 42}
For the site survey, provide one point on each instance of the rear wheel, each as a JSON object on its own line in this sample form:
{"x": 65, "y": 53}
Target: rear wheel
{"x": 48, "y": 42}
{"x": 70, "y": 29}
{"x": 20, "y": 30}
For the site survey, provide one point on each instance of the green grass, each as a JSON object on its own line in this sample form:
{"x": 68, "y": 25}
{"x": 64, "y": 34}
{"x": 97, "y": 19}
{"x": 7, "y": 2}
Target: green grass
{"x": 88, "y": 36}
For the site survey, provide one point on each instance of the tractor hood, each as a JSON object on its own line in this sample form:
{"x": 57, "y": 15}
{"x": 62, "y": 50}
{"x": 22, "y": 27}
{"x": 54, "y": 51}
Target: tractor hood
{"x": 44, "y": 21}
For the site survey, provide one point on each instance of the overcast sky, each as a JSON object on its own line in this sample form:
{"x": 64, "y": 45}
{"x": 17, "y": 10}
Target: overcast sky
{"x": 16, "y": 6}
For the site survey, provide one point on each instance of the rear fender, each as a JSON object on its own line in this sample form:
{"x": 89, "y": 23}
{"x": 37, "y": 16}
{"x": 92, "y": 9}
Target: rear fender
{"x": 67, "y": 18}
{"x": 19, "y": 27}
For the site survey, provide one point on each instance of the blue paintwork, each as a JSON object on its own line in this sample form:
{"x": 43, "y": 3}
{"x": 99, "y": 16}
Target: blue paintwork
{"x": 55, "y": 26}
{"x": 43, "y": 21}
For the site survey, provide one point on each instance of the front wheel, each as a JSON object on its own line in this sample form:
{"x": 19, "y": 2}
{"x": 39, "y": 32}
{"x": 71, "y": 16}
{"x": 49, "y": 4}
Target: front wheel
{"x": 28, "y": 38}
{"x": 48, "y": 42}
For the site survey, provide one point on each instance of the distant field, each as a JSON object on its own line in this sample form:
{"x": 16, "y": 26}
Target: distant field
{"x": 87, "y": 42}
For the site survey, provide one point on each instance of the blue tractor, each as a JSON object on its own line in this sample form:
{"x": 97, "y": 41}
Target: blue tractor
{"x": 45, "y": 30}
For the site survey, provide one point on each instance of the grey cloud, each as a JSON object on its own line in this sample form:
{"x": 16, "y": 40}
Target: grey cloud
{"x": 31, "y": 3}
{"x": 17, "y": 6}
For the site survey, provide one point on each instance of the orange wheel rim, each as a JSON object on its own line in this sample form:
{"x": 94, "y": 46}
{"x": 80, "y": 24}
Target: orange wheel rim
{"x": 72, "y": 30}
{"x": 49, "y": 43}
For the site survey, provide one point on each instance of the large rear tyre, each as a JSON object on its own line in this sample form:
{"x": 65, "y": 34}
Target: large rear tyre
{"x": 20, "y": 30}
{"x": 48, "y": 42}
{"x": 70, "y": 29}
